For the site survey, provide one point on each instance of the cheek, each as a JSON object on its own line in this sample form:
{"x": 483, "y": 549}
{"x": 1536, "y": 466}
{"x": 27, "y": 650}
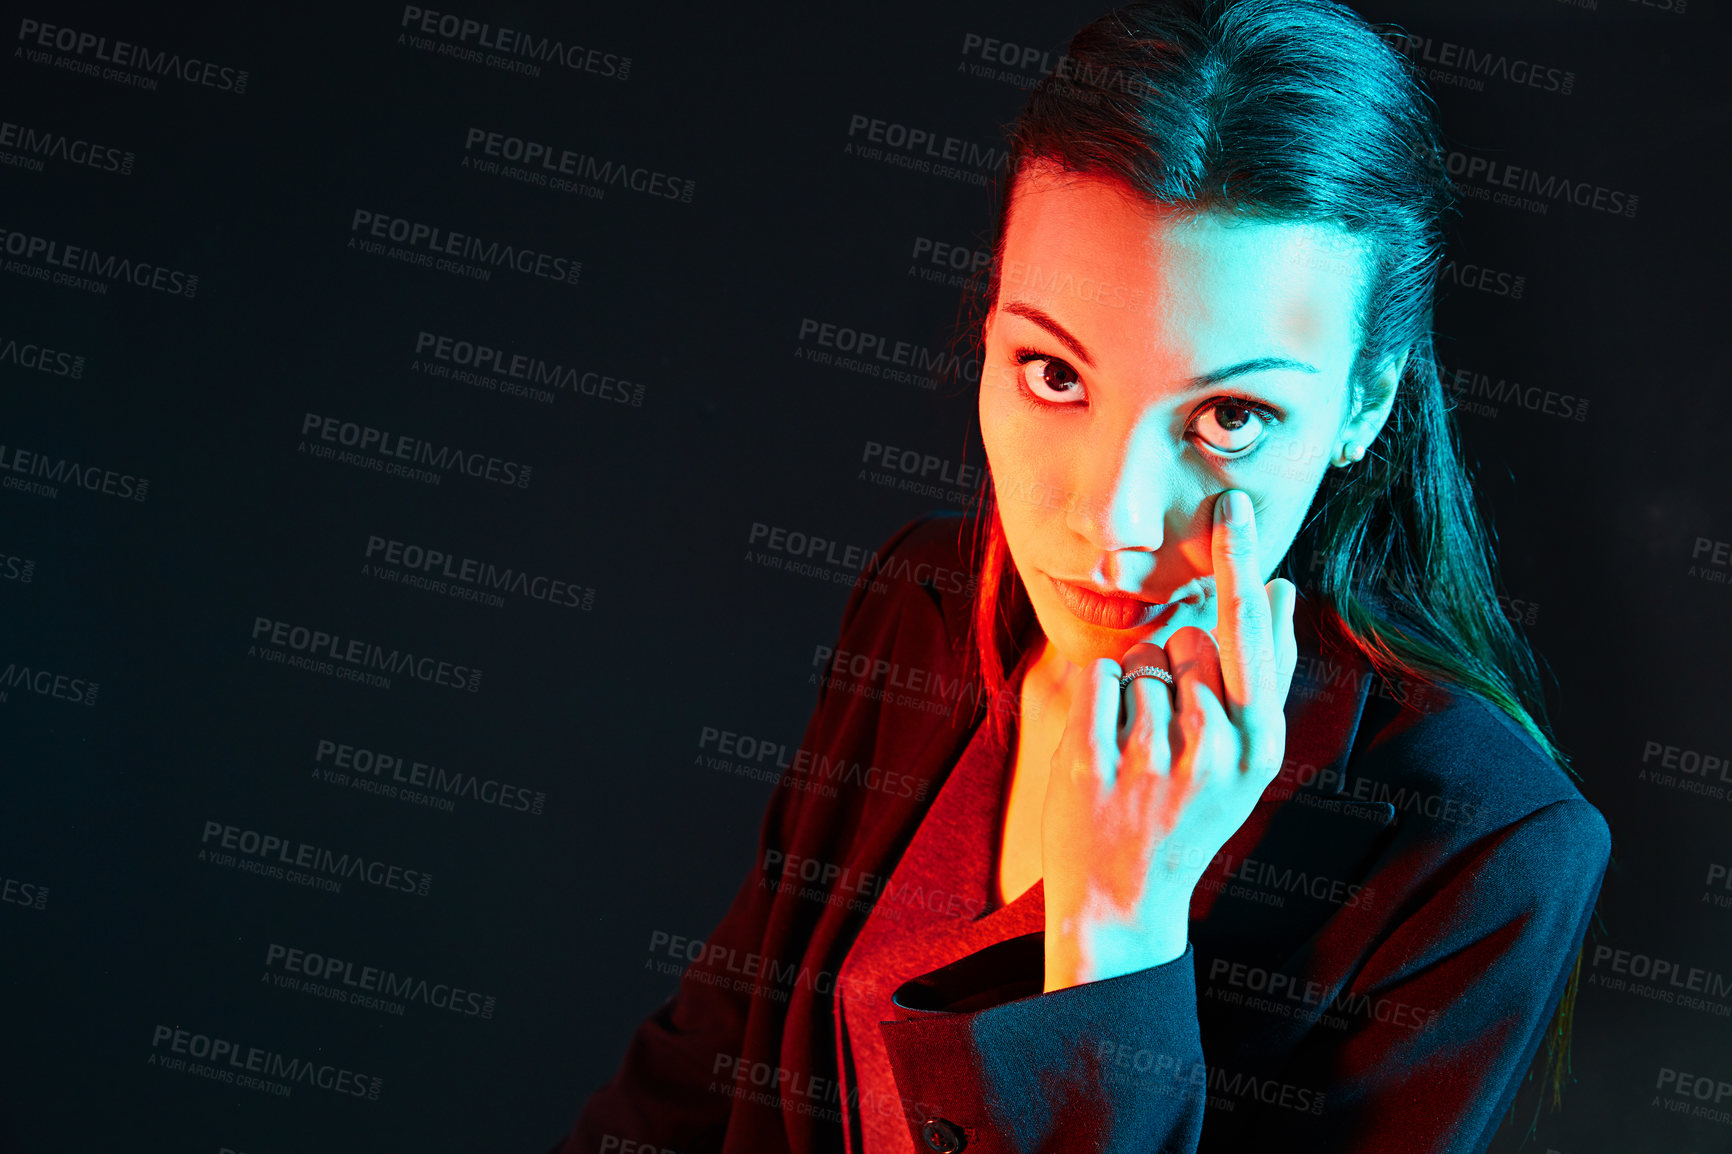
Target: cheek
{"x": 1028, "y": 456}
{"x": 1280, "y": 505}
{"x": 1278, "y": 501}
{"x": 1282, "y": 483}
{"x": 1003, "y": 420}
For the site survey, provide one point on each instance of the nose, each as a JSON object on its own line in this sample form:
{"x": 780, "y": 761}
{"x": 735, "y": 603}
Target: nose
{"x": 1123, "y": 488}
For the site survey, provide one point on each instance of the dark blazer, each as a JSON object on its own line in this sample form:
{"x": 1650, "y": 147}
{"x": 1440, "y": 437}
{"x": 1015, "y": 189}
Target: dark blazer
{"x": 1374, "y": 956}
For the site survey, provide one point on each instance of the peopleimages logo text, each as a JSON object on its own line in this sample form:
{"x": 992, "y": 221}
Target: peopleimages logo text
{"x": 379, "y": 980}
{"x": 55, "y": 470}
{"x": 231, "y": 1061}
{"x": 488, "y": 359}
{"x": 76, "y": 258}
{"x": 354, "y": 651}
{"x": 514, "y": 44}
{"x": 41, "y": 359}
{"x": 382, "y": 443}
{"x": 47, "y": 683}
{"x": 47, "y": 144}
{"x": 320, "y": 860}
{"x": 123, "y": 54}
{"x": 434, "y": 240}
{"x": 484, "y": 576}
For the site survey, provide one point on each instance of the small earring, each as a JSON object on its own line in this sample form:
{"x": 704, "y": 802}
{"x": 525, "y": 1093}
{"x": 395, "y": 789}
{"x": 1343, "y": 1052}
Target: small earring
{"x": 1349, "y": 453}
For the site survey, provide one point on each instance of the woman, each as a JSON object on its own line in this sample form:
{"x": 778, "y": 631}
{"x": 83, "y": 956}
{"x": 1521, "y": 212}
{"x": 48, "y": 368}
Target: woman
{"x": 1181, "y": 857}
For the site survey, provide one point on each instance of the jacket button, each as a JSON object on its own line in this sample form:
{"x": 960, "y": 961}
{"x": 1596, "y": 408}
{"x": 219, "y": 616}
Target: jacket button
{"x": 940, "y": 1136}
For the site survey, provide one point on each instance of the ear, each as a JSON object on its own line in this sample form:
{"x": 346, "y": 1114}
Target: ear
{"x": 1374, "y": 404}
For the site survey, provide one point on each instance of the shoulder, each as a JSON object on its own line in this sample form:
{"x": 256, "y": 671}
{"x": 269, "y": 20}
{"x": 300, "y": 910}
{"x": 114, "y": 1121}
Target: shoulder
{"x": 940, "y": 538}
{"x": 898, "y": 688}
{"x": 923, "y": 577}
{"x": 1456, "y": 767}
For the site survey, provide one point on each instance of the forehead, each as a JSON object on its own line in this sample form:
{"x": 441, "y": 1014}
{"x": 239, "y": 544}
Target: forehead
{"x": 1119, "y": 271}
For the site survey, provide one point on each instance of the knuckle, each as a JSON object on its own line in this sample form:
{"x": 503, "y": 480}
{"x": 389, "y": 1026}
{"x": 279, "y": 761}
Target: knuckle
{"x": 1239, "y": 547}
{"x": 1066, "y": 751}
{"x": 1188, "y": 720}
{"x": 1143, "y": 729}
{"x": 1264, "y": 676}
{"x": 1243, "y": 607}
{"x": 1192, "y": 714}
{"x": 1264, "y": 747}
{"x": 1077, "y": 765}
{"x": 1185, "y": 640}
{"x": 1144, "y": 653}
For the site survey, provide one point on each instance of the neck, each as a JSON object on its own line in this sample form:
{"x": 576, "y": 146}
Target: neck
{"x": 1046, "y": 683}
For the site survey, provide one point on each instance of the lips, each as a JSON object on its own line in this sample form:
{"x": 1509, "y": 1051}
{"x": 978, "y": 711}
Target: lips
{"x": 1119, "y": 611}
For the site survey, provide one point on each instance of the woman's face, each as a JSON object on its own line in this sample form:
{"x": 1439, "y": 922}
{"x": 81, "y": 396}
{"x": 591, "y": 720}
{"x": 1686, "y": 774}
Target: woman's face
{"x": 1137, "y": 365}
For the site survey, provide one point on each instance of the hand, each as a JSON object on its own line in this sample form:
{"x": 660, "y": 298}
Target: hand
{"x": 1140, "y": 800}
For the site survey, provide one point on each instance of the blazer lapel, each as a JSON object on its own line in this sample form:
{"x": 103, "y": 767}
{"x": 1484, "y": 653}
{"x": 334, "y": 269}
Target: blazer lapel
{"x": 1306, "y": 850}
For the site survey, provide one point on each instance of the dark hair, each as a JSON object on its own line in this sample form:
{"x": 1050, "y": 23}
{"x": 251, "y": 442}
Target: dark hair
{"x": 1296, "y": 110}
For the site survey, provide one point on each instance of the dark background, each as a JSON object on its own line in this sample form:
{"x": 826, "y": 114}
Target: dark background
{"x": 114, "y": 927}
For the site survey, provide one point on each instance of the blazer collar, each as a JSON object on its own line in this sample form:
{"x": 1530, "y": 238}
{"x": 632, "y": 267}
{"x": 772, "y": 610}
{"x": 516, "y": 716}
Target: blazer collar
{"x": 1324, "y": 706}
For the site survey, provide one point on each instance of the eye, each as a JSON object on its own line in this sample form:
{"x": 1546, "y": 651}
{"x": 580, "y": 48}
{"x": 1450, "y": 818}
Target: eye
{"x": 1230, "y": 426}
{"x": 1047, "y": 378}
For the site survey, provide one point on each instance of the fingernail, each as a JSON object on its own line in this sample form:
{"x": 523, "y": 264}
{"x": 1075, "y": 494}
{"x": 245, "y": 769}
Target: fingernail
{"x": 1235, "y": 508}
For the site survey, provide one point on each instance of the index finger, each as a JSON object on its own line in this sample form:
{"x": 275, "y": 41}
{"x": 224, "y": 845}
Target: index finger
{"x": 1243, "y": 630}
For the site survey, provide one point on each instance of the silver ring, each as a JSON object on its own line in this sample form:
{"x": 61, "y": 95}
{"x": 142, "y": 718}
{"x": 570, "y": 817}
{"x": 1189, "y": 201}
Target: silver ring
{"x": 1154, "y": 671}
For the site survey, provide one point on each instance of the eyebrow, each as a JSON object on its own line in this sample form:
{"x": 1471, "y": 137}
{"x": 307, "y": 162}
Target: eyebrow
{"x": 1203, "y": 381}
